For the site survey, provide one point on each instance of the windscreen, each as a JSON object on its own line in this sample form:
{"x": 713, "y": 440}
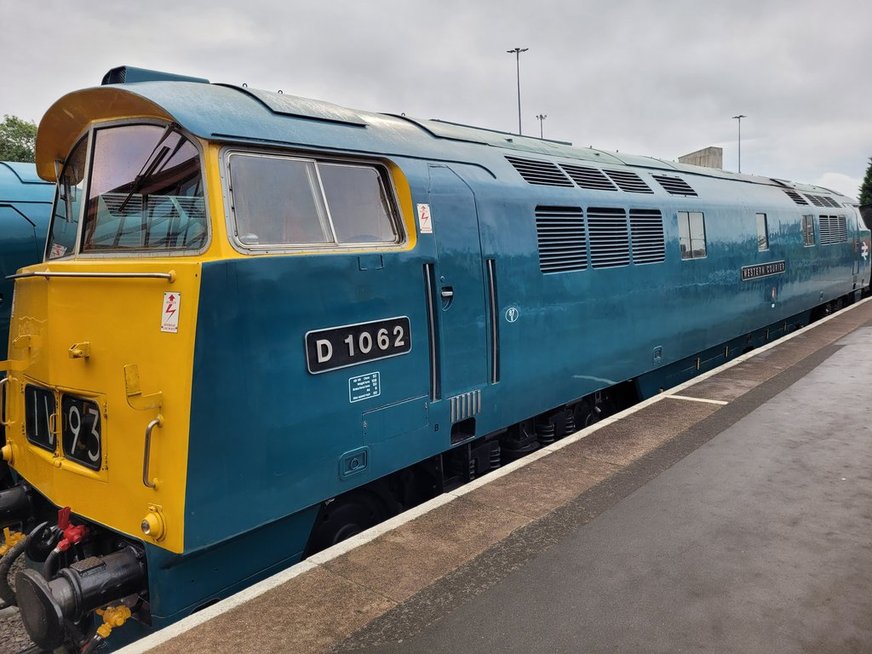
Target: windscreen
{"x": 145, "y": 192}
{"x": 67, "y": 207}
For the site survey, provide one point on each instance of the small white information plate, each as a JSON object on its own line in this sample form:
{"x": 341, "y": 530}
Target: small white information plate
{"x": 364, "y": 387}
{"x": 169, "y": 316}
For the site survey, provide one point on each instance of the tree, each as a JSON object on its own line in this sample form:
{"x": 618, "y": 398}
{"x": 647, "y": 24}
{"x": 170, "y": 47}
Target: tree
{"x": 17, "y": 139}
{"x": 866, "y": 186}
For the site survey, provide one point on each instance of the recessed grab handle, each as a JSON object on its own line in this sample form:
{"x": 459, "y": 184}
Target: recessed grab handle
{"x": 146, "y": 457}
{"x": 447, "y": 294}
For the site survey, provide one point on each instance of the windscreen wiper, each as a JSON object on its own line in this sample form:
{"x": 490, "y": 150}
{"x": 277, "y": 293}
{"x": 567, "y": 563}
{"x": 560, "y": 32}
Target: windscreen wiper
{"x": 148, "y": 167}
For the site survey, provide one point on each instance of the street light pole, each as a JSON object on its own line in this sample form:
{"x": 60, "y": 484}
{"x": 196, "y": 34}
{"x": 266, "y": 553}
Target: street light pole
{"x": 517, "y": 52}
{"x": 541, "y": 118}
{"x": 739, "y": 118}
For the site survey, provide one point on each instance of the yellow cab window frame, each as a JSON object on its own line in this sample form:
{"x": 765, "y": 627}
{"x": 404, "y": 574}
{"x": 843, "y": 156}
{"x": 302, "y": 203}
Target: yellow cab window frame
{"x": 393, "y": 182}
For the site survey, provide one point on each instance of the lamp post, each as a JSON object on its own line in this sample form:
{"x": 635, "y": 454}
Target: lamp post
{"x": 541, "y": 118}
{"x": 517, "y": 52}
{"x": 739, "y": 118}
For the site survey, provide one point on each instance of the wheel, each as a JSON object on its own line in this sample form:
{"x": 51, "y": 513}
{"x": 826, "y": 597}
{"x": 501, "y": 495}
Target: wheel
{"x": 344, "y": 517}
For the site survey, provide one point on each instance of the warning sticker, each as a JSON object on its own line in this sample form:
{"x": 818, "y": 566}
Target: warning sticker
{"x": 424, "y": 222}
{"x": 169, "y": 317}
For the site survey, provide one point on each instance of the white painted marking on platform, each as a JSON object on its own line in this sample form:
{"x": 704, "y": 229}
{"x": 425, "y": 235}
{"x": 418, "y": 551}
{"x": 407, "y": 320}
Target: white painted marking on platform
{"x": 168, "y": 633}
{"x": 696, "y": 399}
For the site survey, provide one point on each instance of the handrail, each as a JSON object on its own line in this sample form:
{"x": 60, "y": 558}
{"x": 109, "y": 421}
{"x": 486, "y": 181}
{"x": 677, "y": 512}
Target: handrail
{"x": 170, "y": 276}
{"x": 146, "y": 457}
{"x": 4, "y": 419}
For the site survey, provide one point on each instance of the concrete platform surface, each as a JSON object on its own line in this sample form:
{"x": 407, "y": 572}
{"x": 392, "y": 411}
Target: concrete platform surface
{"x": 732, "y": 514}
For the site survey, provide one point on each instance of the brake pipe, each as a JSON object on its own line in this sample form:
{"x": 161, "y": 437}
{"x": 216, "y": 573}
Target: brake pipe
{"x": 113, "y": 617}
{"x": 7, "y": 594}
{"x": 70, "y": 535}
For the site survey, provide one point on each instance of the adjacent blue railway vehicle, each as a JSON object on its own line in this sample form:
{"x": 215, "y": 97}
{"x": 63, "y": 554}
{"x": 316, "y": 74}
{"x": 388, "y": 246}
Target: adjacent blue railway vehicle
{"x": 25, "y": 208}
{"x": 264, "y": 323}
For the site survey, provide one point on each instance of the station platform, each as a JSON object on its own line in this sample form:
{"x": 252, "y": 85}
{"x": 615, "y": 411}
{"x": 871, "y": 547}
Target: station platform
{"x": 730, "y": 514}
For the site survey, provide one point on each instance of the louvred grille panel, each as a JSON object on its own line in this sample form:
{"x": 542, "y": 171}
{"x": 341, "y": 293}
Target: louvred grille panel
{"x": 609, "y": 238}
{"x": 646, "y": 228}
{"x": 543, "y": 173}
{"x": 561, "y": 238}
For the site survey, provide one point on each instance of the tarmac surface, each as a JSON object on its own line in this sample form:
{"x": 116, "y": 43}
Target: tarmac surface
{"x": 732, "y": 514}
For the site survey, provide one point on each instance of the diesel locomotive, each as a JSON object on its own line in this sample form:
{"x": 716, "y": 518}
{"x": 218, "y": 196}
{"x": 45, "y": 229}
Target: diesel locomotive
{"x": 263, "y": 323}
{"x": 25, "y": 207}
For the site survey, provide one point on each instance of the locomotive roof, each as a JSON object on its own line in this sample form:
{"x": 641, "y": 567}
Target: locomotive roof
{"x": 230, "y": 113}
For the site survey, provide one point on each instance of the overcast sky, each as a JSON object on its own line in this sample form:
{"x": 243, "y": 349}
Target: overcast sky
{"x": 659, "y": 78}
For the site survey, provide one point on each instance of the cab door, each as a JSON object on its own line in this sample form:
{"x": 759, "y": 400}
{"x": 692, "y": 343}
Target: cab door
{"x": 458, "y": 300}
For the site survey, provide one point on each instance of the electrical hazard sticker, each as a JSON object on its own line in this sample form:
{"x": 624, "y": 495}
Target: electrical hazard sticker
{"x": 169, "y": 317}
{"x": 425, "y": 223}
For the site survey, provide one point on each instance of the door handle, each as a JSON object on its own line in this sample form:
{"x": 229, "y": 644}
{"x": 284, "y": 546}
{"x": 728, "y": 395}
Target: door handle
{"x": 447, "y": 294}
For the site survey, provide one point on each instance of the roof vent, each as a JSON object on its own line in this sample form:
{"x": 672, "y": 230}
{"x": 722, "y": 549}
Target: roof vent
{"x": 562, "y": 242}
{"x": 628, "y": 181}
{"x": 591, "y": 178}
{"x": 131, "y": 75}
{"x": 815, "y": 200}
{"x": 609, "y": 240}
{"x": 539, "y": 172}
{"x": 674, "y": 185}
{"x": 796, "y": 197}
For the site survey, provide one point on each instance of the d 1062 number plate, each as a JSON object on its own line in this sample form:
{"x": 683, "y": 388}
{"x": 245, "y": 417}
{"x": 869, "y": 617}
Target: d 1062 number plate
{"x": 340, "y": 347}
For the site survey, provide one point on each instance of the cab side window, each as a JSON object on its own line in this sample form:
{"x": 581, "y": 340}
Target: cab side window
{"x": 280, "y": 201}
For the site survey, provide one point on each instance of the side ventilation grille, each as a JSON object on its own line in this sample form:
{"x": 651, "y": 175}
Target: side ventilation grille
{"x": 674, "y": 185}
{"x": 543, "y": 173}
{"x": 628, "y": 181}
{"x": 590, "y": 178}
{"x": 831, "y": 202}
{"x": 646, "y": 228}
{"x": 815, "y": 200}
{"x": 825, "y": 230}
{"x": 561, "y": 238}
{"x": 842, "y": 229}
{"x": 609, "y": 240}
{"x": 796, "y": 197}
{"x": 833, "y": 229}
{"x": 464, "y": 406}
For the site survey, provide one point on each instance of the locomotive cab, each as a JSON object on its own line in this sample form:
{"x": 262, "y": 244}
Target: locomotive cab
{"x": 159, "y": 240}
{"x": 99, "y": 345}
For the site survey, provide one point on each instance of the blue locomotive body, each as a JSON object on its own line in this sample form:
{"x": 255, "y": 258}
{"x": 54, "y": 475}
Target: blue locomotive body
{"x": 517, "y": 303}
{"x": 519, "y": 288}
{"x": 25, "y": 209}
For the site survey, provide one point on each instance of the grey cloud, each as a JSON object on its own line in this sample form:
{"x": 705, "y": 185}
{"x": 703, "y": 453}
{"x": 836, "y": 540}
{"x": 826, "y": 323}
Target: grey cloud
{"x": 659, "y": 78}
